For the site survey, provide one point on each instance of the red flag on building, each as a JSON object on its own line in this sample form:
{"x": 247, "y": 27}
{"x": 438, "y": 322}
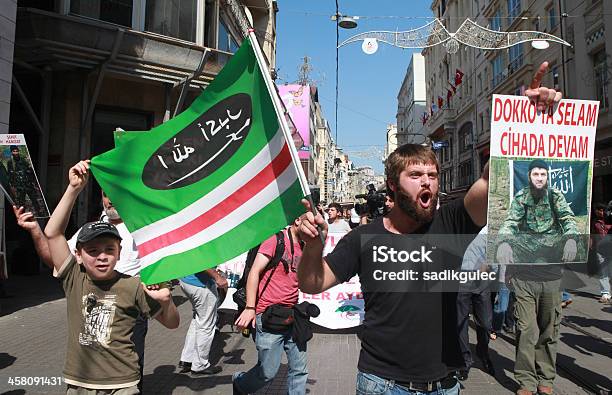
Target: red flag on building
{"x": 449, "y": 94}
{"x": 458, "y": 77}
{"x": 453, "y": 87}
{"x": 440, "y": 102}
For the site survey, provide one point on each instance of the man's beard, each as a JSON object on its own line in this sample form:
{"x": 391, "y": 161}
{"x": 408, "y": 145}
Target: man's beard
{"x": 112, "y": 213}
{"x": 537, "y": 193}
{"x": 411, "y": 208}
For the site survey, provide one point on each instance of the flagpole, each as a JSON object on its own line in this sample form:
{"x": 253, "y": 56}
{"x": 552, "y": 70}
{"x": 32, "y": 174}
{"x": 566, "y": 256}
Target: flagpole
{"x": 277, "y": 107}
{"x": 280, "y": 114}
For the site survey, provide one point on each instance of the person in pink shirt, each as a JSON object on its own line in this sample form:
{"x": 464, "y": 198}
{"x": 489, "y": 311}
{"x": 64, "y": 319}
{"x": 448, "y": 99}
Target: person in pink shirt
{"x": 271, "y": 294}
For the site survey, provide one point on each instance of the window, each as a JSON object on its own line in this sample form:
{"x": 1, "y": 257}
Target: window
{"x": 600, "y": 72}
{"x": 176, "y": 18}
{"x": 114, "y": 11}
{"x": 496, "y": 21}
{"x": 514, "y": 8}
{"x": 555, "y": 74}
{"x": 481, "y": 122}
{"x": 465, "y": 137}
{"x": 47, "y": 5}
{"x": 497, "y": 66}
{"x": 465, "y": 174}
{"x": 536, "y": 24}
{"x": 480, "y": 82}
{"x": 552, "y": 17}
{"x": 445, "y": 180}
{"x": 445, "y": 156}
{"x": 226, "y": 41}
{"x": 515, "y": 58}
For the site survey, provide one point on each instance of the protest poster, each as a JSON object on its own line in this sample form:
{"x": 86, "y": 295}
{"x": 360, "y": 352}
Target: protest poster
{"x": 540, "y": 176}
{"x": 341, "y": 306}
{"x": 18, "y": 178}
{"x": 296, "y": 99}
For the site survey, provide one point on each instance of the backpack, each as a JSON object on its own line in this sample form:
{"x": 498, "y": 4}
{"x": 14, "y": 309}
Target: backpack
{"x": 240, "y": 294}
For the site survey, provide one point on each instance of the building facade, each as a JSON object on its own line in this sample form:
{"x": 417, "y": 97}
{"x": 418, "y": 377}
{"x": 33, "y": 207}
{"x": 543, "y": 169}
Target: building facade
{"x": 84, "y": 68}
{"x": 453, "y": 122}
{"x": 392, "y": 139}
{"x": 341, "y": 179}
{"x": 324, "y": 146}
{"x": 581, "y": 72}
{"x": 411, "y": 103}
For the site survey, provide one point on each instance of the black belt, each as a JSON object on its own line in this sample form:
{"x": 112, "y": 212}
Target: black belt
{"x": 446, "y": 383}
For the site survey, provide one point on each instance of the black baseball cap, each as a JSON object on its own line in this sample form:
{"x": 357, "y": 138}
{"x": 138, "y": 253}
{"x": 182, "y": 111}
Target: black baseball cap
{"x": 91, "y": 230}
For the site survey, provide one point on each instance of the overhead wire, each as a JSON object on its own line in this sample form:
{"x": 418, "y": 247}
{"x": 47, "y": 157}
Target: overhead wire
{"x": 337, "y": 64}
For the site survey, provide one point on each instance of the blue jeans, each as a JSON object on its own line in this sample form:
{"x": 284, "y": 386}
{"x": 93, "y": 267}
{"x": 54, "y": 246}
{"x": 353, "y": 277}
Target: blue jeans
{"x": 565, "y": 296}
{"x": 369, "y": 384}
{"x": 606, "y": 273}
{"x": 270, "y": 347}
{"x": 500, "y": 308}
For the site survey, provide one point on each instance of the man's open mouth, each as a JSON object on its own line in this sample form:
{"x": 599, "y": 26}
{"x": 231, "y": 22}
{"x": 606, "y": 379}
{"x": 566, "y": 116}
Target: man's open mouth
{"x": 425, "y": 199}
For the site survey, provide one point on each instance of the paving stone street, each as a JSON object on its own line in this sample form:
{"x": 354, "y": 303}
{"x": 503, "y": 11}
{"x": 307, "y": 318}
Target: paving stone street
{"x": 33, "y": 333}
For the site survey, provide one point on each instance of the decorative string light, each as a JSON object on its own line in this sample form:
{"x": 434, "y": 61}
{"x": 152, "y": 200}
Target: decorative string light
{"x": 469, "y": 33}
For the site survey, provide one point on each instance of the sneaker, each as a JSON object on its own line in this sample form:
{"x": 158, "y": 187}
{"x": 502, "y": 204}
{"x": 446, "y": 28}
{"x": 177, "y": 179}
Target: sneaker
{"x": 235, "y": 389}
{"x": 463, "y": 374}
{"x": 566, "y": 303}
{"x": 213, "y": 369}
{"x": 184, "y": 367}
{"x": 487, "y": 365}
{"x": 605, "y": 298}
{"x": 543, "y": 390}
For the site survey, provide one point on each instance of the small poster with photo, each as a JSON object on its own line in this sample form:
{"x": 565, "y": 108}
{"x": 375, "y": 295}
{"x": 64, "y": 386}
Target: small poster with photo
{"x": 540, "y": 176}
{"x": 18, "y": 179}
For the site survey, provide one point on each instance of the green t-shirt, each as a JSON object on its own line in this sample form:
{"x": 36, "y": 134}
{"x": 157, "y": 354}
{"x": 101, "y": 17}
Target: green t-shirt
{"x": 101, "y": 316}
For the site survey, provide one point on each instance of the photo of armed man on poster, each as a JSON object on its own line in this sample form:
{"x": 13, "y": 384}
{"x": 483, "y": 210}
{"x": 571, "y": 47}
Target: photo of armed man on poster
{"x": 18, "y": 178}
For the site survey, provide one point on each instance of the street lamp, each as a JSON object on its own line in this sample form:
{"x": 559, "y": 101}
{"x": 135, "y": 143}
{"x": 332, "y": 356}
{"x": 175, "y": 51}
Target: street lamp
{"x": 345, "y": 21}
{"x": 540, "y": 44}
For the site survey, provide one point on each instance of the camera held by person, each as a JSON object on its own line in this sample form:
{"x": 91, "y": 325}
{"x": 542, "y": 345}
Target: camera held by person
{"x": 374, "y": 205}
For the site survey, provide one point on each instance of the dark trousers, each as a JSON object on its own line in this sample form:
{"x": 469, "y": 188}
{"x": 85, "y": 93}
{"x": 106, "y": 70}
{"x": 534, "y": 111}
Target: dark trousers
{"x": 138, "y": 338}
{"x": 481, "y": 304}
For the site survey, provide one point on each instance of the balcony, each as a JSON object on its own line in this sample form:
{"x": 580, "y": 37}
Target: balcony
{"x": 498, "y": 79}
{"x": 66, "y": 42}
{"x": 515, "y": 64}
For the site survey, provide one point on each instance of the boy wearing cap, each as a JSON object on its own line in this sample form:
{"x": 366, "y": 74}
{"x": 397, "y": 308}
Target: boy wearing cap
{"x": 102, "y": 304}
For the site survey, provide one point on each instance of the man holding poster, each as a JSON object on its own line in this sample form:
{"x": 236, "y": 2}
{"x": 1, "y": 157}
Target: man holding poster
{"x": 538, "y": 227}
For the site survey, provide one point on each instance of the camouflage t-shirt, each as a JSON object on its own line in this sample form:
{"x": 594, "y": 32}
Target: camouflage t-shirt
{"x": 101, "y": 316}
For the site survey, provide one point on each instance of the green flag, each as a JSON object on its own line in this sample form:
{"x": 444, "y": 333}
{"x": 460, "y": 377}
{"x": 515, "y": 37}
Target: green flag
{"x": 212, "y": 182}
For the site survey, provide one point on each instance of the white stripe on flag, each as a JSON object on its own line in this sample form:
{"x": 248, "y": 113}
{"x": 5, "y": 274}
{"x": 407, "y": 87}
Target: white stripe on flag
{"x": 214, "y": 197}
{"x": 232, "y": 220}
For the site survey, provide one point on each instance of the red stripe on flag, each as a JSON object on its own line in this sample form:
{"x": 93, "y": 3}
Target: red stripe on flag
{"x": 232, "y": 202}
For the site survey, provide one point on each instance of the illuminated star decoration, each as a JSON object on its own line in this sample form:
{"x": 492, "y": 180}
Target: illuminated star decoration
{"x": 469, "y": 33}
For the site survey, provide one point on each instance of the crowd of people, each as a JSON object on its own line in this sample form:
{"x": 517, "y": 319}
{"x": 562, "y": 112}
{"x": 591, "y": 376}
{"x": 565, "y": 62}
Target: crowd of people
{"x": 411, "y": 342}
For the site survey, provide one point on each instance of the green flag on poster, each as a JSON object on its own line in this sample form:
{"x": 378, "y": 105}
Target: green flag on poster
{"x": 212, "y": 182}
